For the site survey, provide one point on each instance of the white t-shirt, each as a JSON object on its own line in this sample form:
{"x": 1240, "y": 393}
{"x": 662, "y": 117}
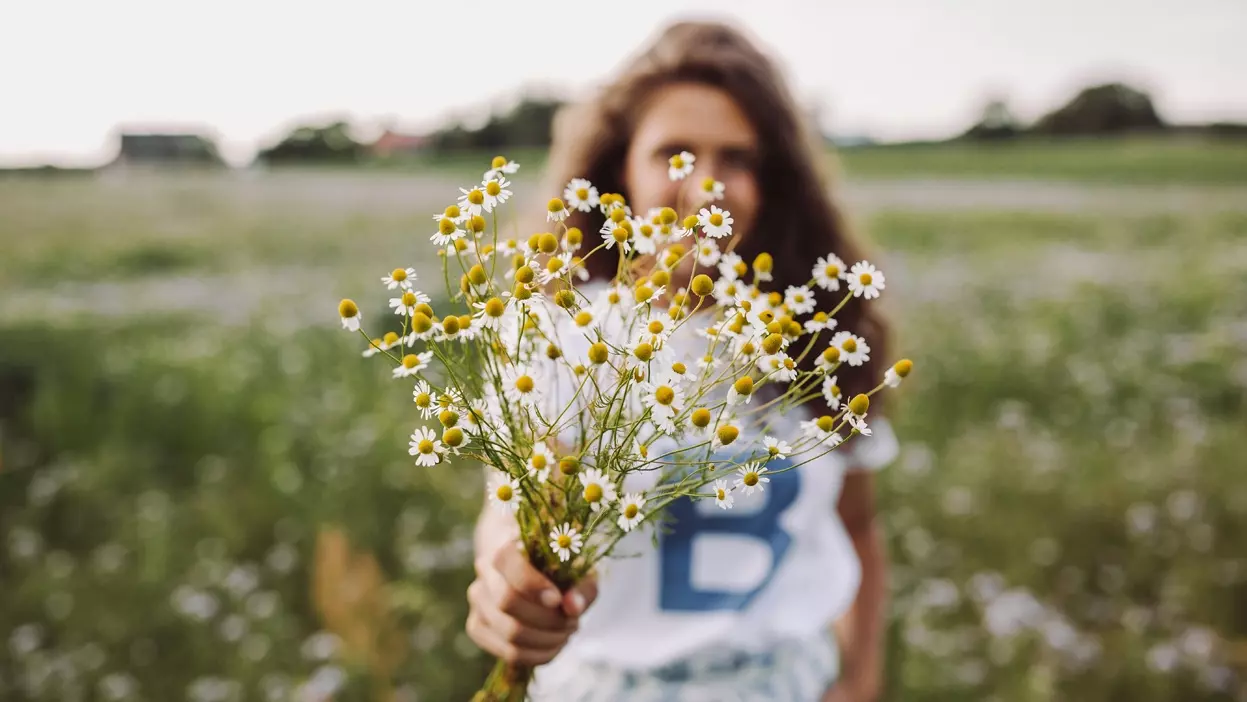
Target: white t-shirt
{"x": 778, "y": 565}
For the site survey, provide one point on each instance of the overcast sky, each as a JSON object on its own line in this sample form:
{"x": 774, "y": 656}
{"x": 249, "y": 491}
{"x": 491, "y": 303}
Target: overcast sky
{"x": 70, "y": 71}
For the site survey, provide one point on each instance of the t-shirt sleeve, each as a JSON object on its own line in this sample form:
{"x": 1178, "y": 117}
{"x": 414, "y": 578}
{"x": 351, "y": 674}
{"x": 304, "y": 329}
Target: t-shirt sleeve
{"x": 875, "y": 451}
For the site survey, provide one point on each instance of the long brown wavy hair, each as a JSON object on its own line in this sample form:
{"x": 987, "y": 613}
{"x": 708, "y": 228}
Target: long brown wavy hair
{"x": 800, "y": 217}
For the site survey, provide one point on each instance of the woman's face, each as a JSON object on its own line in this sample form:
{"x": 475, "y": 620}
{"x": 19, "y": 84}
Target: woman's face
{"x": 706, "y": 122}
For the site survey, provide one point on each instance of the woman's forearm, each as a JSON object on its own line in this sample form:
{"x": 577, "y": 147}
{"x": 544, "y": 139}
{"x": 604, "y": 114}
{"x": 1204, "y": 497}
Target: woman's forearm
{"x": 863, "y": 658}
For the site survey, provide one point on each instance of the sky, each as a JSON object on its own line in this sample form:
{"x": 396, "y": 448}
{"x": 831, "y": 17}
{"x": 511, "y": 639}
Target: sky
{"x": 244, "y": 71}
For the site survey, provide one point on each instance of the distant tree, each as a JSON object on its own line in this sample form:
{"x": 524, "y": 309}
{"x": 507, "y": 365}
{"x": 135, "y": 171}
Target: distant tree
{"x": 997, "y": 122}
{"x": 1112, "y": 107}
{"x": 315, "y": 144}
{"x": 528, "y": 124}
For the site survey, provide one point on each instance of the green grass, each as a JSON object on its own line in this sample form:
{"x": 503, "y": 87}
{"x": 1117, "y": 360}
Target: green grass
{"x": 1150, "y": 159}
{"x": 177, "y": 402}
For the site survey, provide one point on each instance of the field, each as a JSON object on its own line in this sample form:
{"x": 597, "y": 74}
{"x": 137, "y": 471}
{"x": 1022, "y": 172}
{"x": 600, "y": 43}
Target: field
{"x": 204, "y": 493}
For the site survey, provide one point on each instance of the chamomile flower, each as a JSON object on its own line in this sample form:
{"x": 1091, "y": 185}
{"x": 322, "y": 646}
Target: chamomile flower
{"x": 656, "y": 331}
{"x": 598, "y": 490}
{"x": 776, "y": 449}
{"x": 507, "y": 248}
{"x": 349, "y": 312}
{"x": 664, "y": 396}
{"x": 820, "y": 322}
{"x": 616, "y": 234}
{"x": 426, "y": 447}
{"x": 556, "y": 266}
{"x": 741, "y": 391}
{"x": 894, "y": 375}
{"x": 726, "y": 433}
{"x": 630, "y": 511}
{"x": 732, "y": 266}
{"x": 422, "y": 395}
{"x": 708, "y": 363}
{"x": 715, "y": 222}
{"x": 711, "y": 190}
{"x": 375, "y": 346}
{"x": 822, "y": 430}
{"x": 496, "y": 193}
{"x": 400, "y": 278}
{"x": 504, "y": 493}
{"x": 707, "y": 252}
{"x": 853, "y": 349}
{"x": 539, "y": 463}
{"x": 680, "y": 165}
{"x": 412, "y": 364}
{"x": 752, "y": 478}
{"x": 522, "y": 384}
{"x": 405, "y": 304}
{"x": 447, "y": 231}
{"x": 490, "y": 312}
{"x": 828, "y": 270}
{"x": 831, "y": 392}
{"x": 640, "y": 450}
{"x": 580, "y": 195}
{"x": 556, "y": 210}
{"x": 865, "y": 280}
{"x": 729, "y": 292}
{"x": 472, "y": 202}
{"x": 799, "y": 299}
{"x": 565, "y": 541}
{"x": 723, "y": 497}
{"x": 778, "y": 367}
{"x": 478, "y": 418}
{"x": 501, "y": 166}
{"x": 450, "y": 399}
{"x": 454, "y": 329}
{"x": 645, "y": 295}
{"x": 644, "y": 236}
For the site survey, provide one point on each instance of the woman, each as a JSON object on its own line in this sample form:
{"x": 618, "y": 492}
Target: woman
{"x": 733, "y": 605}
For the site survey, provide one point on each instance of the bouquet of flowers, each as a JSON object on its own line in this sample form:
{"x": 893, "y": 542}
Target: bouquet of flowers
{"x": 565, "y": 388}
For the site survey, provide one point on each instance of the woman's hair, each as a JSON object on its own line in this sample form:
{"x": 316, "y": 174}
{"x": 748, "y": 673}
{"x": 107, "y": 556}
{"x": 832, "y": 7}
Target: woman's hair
{"x": 797, "y": 221}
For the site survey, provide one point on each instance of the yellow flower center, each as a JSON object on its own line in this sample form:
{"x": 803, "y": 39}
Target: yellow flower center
{"x": 568, "y": 465}
{"x": 664, "y": 395}
{"x": 743, "y": 385}
{"x": 564, "y": 541}
{"x": 643, "y": 351}
{"x": 832, "y": 270}
{"x": 831, "y": 354}
{"x": 677, "y": 161}
{"x": 859, "y": 404}
{"x": 420, "y": 323}
{"x": 554, "y": 265}
{"x": 668, "y": 215}
{"x": 476, "y": 197}
{"x": 492, "y": 188}
{"x": 720, "y": 494}
{"x": 708, "y": 185}
{"x": 849, "y": 345}
{"x": 547, "y": 243}
{"x": 740, "y": 268}
{"x": 425, "y": 446}
{"x": 598, "y": 352}
{"x": 452, "y": 212}
{"x": 763, "y": 263}
{"x": 390, "y": 338}
{"x": 618, "y": 215}
{"x": 643, "y": 450}
{"x": 554, "y": 205}
{"x": 450, "y": 325}
{"x": 700, "y": 417}
{"x": 494, "y": 307}
{"x": 903, "y": 367}
{"x": 452, "y": 437}
{"x": 448, "y": 418}
{"x": 826, "y": 423}
{"x": 864, "y": 278}
{"x": 716, "y": 220}
{"x": 630, "y": 511}
{"x": 619, "y": 234}
{"x": 574, "y": 236}
{"x": 348, "y": 309}
{"x": 643, "y": 293}
{"x": 524, "y": 275}
{"x": 584, "y": 318}
{"x": 498, "y": 162}
{"x": 524, "y": 384}
{"x": 504, "y": 492}
{"x": 613, "y": 297}
{"x": 750, "y": 479}
{"x": 773, "y": 450}
{"x": 410, "y": 360}
{"x": 647, "y": 231}
{"x": 446, "y": 227}
{"x": 477, "y": 224}
{"x": 593, "y": 493}
{"x": 727, "y": 434}
{"x": 772, "y": 343}
{"x": 656, "y": 326}
{"x": 538, "y": 461}
{"x": 582, "y": 193}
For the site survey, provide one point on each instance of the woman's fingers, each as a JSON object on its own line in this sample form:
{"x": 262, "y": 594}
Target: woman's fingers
{"x": 490, "y": 639}
{"x": 526, "y": 580}
{"x": 578, "y": 599}
{"x": 499, "y": 594}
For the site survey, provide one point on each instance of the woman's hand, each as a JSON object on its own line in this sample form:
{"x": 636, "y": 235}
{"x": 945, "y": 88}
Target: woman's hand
{"x": 517, "y": 614}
